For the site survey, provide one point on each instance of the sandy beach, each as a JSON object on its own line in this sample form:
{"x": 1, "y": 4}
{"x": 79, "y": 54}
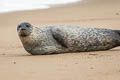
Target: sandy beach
{"x": 17, "y": 64}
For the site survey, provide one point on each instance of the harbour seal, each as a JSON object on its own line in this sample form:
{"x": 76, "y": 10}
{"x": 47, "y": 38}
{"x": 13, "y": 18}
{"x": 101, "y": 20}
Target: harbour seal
{"x": 64, "y": 38}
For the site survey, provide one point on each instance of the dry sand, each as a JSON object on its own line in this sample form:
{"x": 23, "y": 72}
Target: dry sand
{"x": 17, "y": 64}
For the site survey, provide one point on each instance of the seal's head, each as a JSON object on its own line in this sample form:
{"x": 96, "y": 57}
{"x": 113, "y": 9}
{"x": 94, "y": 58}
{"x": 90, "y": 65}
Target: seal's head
{"x": 24, "y": 29}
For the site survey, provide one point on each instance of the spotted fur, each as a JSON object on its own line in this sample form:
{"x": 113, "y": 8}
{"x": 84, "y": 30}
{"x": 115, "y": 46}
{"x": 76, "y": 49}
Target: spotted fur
{"x": 64, "y": 39}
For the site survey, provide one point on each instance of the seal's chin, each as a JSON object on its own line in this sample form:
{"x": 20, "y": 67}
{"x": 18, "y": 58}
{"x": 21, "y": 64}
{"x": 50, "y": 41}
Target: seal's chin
{"x": 23, "y": 34}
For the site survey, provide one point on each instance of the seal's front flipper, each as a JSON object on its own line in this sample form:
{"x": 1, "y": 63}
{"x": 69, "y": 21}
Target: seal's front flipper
{"x": 58, "y": 37}
{"x": 117, "y": 31}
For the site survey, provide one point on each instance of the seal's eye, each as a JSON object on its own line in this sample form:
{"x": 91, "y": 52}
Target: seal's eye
{"x": 19, "y": 26}
{"x": 27, "y": 26}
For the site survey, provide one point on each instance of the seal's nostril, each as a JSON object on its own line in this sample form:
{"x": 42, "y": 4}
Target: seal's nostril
{"x": 23, "y": 29}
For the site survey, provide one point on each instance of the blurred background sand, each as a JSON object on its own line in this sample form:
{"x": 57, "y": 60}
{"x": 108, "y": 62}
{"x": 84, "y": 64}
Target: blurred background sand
{"x": 17, "y": 64}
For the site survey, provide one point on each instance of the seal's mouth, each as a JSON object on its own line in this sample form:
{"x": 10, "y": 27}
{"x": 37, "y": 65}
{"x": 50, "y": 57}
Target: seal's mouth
{"x": 23, "y": 35}
{"x": 23, "y": 32}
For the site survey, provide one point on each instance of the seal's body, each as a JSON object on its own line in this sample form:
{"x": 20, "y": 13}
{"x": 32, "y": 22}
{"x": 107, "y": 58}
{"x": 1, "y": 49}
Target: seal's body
{"x": 62, "y": 39}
